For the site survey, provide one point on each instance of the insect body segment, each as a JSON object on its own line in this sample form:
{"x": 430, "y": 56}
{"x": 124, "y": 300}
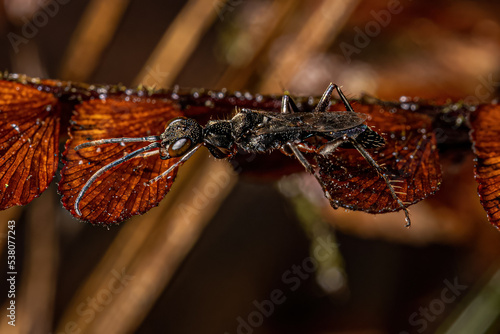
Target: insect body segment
{"x": 319, "y": 132}
{"x": 180, "y": 135}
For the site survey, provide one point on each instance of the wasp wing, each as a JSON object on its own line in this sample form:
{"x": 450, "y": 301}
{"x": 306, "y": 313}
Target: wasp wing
{"x": 314, "y": 122}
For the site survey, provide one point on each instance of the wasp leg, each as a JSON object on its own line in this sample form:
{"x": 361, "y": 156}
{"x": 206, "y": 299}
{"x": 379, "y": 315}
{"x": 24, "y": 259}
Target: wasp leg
{"x": 324, "y": 102}
{"x": 285, "y": 100}
{"x": 382, "y": 174}
{"x": 184, "y": 158}
{"x": 311, "y": 170}
{"x": 293, "y": 105}
{"x": 331, "y": 147}
{"x": 288, "y": 106}
{"x": 344, "y": 99}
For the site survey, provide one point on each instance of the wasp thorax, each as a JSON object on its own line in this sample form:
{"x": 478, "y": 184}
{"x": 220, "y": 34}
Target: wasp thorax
{"x": 180, "y": 135}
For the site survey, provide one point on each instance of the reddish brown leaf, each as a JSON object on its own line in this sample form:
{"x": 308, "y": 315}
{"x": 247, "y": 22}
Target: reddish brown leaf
{"x": 485, "y": 135}
{"x": 122, "y": 191}
{"x": 29, "y": 132}
{"x": 410, "y": 154}
{"x": 410, "y": 157}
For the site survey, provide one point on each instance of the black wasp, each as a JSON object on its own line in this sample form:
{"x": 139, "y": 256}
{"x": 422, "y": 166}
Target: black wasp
{"x": 255, "y": 131}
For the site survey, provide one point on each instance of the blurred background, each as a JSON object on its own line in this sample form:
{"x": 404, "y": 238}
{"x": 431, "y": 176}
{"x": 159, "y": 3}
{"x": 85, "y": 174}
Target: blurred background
{"x": 225, "y": 253}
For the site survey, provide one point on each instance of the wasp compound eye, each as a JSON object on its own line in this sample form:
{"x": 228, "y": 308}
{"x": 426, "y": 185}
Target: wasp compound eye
{"x": 179, "y": 147}
{"x": 179, "y": 136}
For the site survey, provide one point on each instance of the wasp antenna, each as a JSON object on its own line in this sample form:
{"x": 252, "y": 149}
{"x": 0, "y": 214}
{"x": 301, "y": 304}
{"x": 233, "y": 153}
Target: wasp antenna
{"x": 108, "y": 167}
{"x": 117, "y": 140}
